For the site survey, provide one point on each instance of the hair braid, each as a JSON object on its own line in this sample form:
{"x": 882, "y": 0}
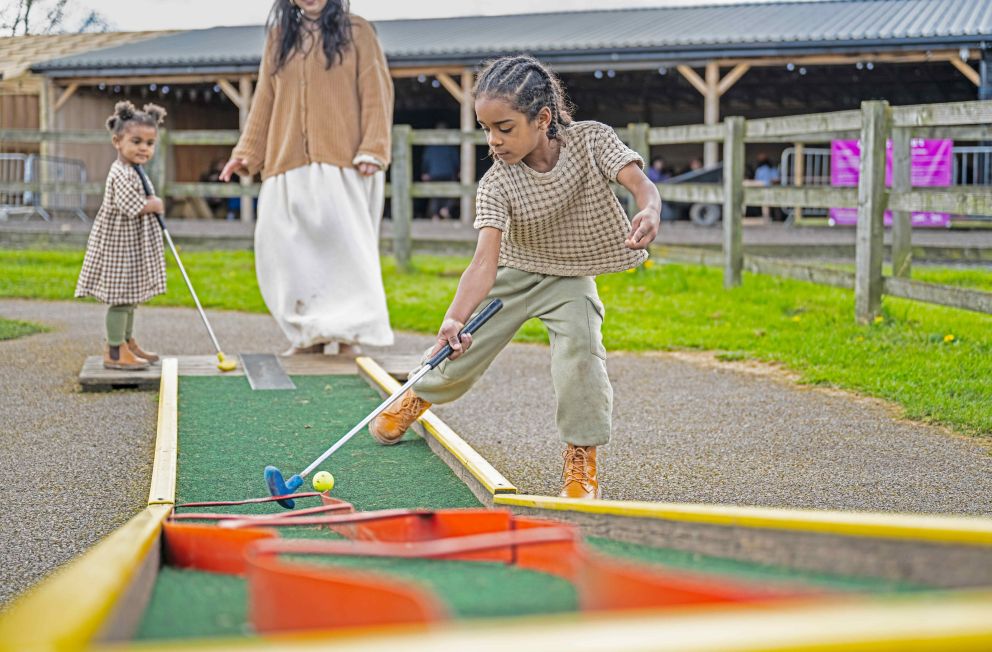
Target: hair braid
{"x": 528, "y": 86}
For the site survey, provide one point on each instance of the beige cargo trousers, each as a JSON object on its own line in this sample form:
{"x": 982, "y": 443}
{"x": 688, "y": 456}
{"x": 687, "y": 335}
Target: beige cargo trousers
{"x": 570, "y": 309}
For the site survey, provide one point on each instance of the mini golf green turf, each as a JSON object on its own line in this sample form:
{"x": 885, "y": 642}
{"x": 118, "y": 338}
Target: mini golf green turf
{"x": 228, "y": 433}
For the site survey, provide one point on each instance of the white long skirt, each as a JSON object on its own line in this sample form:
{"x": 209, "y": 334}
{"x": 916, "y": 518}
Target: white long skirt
{"x": 317, "y": 255}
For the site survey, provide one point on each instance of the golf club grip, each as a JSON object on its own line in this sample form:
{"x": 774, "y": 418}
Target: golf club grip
{"x": 473, "y": 325}
{"x": 148, "y": 191}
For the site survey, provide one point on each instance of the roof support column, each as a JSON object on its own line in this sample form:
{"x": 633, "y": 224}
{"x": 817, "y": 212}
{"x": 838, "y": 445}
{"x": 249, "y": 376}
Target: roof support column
{"x": 711, "y": 89}
{"x": 711, "y": 111}
{"x": 985, "y": 73}
{"x": 244, "y": 105}
{"x": 467, "y": 172}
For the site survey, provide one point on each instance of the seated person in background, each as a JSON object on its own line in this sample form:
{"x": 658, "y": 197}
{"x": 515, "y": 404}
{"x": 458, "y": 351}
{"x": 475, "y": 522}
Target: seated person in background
{"x": 218, "y": 205}
{"x": 441, "y": 163}
{"x": 658, "y": 171}
{"x": 765, "y": 174}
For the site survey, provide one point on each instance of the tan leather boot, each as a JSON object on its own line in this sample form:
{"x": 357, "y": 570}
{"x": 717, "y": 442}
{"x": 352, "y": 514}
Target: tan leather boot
{"x": 579, "y": 474}
{"x": 389, "y": 426}
{"x": 120, "y": 357}
{"x": 144, "y": 355}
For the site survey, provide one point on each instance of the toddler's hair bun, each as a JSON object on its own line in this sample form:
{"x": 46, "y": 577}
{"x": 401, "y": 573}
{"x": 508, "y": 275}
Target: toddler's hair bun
{"x": 156, "y": 112}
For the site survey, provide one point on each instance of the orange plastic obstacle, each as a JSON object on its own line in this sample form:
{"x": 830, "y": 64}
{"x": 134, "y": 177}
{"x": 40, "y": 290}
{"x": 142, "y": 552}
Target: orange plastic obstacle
{"x": 289, "y": 595}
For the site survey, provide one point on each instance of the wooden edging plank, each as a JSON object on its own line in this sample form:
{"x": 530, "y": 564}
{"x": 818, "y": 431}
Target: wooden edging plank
{"x": 933, "y": 621}
{"x": 82, "y": 600}
{"x": 943, "y": 529}
{"x": 163, "y": 484}
{"x": 468, "y": 457}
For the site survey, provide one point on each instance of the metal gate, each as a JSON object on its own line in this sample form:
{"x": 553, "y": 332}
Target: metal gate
{"x": 30, "y": 168}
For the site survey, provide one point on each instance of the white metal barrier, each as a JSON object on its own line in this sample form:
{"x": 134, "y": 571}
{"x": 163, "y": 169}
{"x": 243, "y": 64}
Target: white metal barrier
{"x": 30, "y": 168}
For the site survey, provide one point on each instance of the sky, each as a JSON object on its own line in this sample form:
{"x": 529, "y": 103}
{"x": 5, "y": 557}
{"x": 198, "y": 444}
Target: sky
{"x": 138, "y": 15}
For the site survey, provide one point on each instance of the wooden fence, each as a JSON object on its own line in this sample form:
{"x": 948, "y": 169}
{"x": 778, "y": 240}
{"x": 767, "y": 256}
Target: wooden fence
{"x": 873, "y": 124}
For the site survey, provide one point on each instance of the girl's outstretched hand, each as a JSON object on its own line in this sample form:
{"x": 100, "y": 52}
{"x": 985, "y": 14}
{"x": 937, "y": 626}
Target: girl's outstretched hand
{"x": 643, "y": 229}
{"x": 235, "y": 165}
{"x": 448, "y": 334}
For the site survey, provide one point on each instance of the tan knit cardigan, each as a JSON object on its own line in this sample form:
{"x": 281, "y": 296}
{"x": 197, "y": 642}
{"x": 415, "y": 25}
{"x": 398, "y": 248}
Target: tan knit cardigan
{"x": 307, "y": 113}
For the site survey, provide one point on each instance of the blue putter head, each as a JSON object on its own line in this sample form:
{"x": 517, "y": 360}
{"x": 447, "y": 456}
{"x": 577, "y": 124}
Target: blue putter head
{"x": 280, "y": 487}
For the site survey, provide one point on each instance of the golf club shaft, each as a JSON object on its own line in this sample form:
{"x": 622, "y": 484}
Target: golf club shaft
{"x": 179, "y": 262}
{"x": 364, "y": 422}
{"x": 473, "y": 324}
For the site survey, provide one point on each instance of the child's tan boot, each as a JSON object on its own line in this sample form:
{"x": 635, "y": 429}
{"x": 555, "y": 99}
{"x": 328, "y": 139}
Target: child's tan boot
{"x": 389, "y": 426}
{"x": 579, "y": 473}
{"x": 144, "y": 355}
{"x": 120, "y": 357}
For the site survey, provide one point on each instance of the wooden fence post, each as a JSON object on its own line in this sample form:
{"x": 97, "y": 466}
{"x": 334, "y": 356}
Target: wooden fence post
{"x": 638, "y": 141}
{"x": 733, "y": 200}
{"x": 902, "y": 180}
{"x": 401, "y": 201}
{"x": 876, "y": 119}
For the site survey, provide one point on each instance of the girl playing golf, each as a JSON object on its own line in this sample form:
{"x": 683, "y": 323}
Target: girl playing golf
{"x": 548, "y": 224}
{"x": 125, "y": 261}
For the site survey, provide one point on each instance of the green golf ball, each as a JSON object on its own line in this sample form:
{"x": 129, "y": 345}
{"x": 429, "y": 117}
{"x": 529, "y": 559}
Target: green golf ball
{"x": 323, "y": 481}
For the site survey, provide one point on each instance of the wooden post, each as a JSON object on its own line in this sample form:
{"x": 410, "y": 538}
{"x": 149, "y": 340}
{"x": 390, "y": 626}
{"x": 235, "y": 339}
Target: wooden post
{"x": 244, "y": 105}
{"x": 46, "y": 122}
{"x": 799, "y": 174}
{"x": 639, "y": 143}
{"x": 711, "y": 110}
{"x": 902, "y": 228}
{"x": 158, "y": 165}
{"x": 401, "y": 201}
{"x": 876, "y": 117}
{"x": 467, "y": 172}
{"x": 733, "y": 200}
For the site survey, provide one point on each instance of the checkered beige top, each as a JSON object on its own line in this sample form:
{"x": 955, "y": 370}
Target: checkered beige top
{"x": 567, "y": 221}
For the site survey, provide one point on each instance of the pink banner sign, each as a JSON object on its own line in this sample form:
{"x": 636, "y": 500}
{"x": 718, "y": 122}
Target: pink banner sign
{"x": 931, "y": 163}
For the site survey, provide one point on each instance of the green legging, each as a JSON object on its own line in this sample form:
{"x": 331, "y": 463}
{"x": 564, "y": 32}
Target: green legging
{"x": 120, "y": 323}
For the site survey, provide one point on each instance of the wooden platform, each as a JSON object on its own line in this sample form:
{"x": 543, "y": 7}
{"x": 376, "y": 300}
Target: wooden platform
{"x": 94, "y": 378}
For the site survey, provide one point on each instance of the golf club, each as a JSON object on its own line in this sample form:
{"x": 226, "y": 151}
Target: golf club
{"x": 222, "y": 362}
{"x": 273, "y": 477}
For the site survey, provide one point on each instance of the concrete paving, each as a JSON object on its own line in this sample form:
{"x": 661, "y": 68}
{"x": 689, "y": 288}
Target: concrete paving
{"x": 687, "y": 428}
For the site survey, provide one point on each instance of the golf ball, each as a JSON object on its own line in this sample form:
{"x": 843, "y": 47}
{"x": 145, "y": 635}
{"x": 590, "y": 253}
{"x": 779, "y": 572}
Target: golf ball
{"x": 323, "y": 481}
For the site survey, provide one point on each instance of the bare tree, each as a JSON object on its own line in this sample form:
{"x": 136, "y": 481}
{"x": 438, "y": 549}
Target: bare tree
{"x": 55, "y": 17}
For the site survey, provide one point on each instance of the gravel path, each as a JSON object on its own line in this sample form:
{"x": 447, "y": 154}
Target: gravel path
{"x": 687, "y": 429}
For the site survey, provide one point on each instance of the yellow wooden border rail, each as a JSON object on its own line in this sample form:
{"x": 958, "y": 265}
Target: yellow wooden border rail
{"x": 67, "y": 610}
{"x": 908, "y": 623}
{"x": 917, "y": 527}
{"x": 478, "y": 466}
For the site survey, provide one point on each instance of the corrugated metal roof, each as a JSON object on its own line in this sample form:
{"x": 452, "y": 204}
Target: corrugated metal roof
{"x": 19, "y": 53}
{"x": 797, "y": 26}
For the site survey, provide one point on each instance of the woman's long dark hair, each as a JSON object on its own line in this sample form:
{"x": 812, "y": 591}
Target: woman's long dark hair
{"x": 286, "y": 24}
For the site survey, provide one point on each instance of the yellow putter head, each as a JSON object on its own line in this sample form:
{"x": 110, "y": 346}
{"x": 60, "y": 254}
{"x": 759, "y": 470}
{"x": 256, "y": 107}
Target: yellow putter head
{"x": 224, "y": 364}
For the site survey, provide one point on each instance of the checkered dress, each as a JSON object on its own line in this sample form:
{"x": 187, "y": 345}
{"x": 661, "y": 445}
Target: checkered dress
{"x": 125, "y": 260}
{"x": 567, "y": 221}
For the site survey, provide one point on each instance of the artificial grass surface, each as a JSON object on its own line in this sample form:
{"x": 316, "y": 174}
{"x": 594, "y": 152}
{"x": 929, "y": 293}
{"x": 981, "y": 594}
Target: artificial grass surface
{"x": 12, "y": 329}
{"x": 228, "y": 433}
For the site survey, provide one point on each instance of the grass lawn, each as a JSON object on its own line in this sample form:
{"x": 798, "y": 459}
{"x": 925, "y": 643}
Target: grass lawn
{"x": 11, "y": 329}
{"x": 936, "y": 362}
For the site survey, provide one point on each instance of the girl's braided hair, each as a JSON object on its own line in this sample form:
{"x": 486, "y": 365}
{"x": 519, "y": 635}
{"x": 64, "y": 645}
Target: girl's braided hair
{"x": 151, "y": 115}
{"x": 528, "y": 86}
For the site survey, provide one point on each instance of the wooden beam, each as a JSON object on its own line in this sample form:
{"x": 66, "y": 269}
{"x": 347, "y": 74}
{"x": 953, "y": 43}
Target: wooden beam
{"x": 967, "y": 71}
{"x": 685, "y": 134}
{"x": 731, "y": 77}
{"x": 150, "y": 79}
{"x": 711, "y": 110}
{"x": 693, "y": 78}
{"x": 849, "y": 59}
{"x": 902, "y": 254}
{"x": 232, "y": 93}
{"x": 467, "y": 170}
{"x": 400, "y": 73}
{"x": 401, "y": 203}
{"x": 245, "y": 92}
{"x": 64, "y": 97}
{"x": 450, "y": 85}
